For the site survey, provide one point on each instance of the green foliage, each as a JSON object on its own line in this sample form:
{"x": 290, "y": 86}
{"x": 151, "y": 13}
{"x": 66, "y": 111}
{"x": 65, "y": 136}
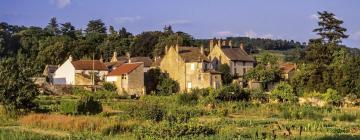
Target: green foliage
{"x": 166, "y": 86}
{"x": 330, "y": 28}
{"x": 283, "y": 92}
{"x": 17, "y": 91}
{"x": 109, "y": 86}
{"x": 148, "y": 111}
{"x": 86, "y": 105}
{"x": 69, "y": 107}
{"x": 225, "y": 74}
{"x": 332, "y": 97}
{"x": 232, "y": 92}
{"x": 350, "y": 117}
{"x": 301, "y": 112}
{"x": 259, "y": 96}
{"x": 188, "y": 98}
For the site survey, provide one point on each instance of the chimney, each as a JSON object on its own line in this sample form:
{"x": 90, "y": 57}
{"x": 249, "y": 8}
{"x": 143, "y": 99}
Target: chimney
{"x": 211, "y": 44}
{"x": 242, "y": 46}
{"x": 177, "y": 48}
{"x": 114, "y": 57}
{"x": 166, "y": 49}
{"x": 128, "y": 57}
{"x": 219, "y": 43}
{"x": 101, "y": 59}
{"x": 230, "y": 43}
{"x": 70, "y": 58}
{"x": 202, "y": 49}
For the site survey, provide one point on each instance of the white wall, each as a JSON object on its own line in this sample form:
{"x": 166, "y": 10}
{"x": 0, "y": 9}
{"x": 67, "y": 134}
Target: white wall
{"x": 65, "y": 74}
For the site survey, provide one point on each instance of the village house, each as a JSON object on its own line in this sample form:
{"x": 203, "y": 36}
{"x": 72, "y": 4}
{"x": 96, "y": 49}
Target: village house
{"x": 223, "y": 52}
{"x": 287, "y": 70}
{"x": 190, "y": 68}
{"x": 128, "y": 78}
{"x": 117, "y": 61}
{"x": 80, "y": 72}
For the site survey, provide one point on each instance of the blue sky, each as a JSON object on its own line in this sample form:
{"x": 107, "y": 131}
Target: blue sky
{"x": 283, "y": 19}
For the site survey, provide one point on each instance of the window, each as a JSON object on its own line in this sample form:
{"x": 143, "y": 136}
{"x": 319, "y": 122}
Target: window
{"x": 243, "y": 63}
{"x": 199, "y": 77}
{"x": 192, "y": 66}
{"x": 189, "y": 85}
{"x": 244, "y": 71}
{"x": 123, "y": 76}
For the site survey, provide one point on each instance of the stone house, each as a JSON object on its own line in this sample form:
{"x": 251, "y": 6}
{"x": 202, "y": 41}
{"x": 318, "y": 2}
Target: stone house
{"x": 128, "y": 78}
{"x": 80, "y": 72}
{"x": 287, "y": 70}
{"x": 223, "y": 52}
{"x": 189, "y": 67}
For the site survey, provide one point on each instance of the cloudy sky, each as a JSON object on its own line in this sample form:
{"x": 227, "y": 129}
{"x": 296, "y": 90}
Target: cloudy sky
{"x": 278, "y": 19}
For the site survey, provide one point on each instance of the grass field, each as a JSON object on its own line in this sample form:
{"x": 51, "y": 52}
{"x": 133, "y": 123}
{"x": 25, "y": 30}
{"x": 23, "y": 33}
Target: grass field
{"x": 165, "y": 117}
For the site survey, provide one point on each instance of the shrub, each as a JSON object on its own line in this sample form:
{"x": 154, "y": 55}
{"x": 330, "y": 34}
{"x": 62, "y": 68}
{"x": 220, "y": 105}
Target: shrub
{"x": 283, "y": 92}
{"x": 69, "y": 107}
{"x": 232, "y": 92}
{"x": 116, "y": 129}
{"x": 332, "y": 97}
{"x": 109, "y": 86}
{"x": 301, "y": 112}
{"x": 187, "y": 98}
{"x": 259, "y": 96}
{"x": 183, "y": 114}
{"x": 88, "y": 105}
{"x": 166, "y": 86}
{"x": 345, "y": 117}
{"x": 147, "y": 111}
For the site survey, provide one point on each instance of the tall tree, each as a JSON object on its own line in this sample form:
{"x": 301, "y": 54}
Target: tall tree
{"x": 68, "y": 29}
{"x": 17, "y": 91}
{"x": 330, "y": 28}
{"x": 96, "y": 26}
{"x": 53, "y": 26}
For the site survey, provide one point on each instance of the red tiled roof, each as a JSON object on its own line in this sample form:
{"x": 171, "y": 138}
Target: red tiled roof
{"x": 124, "y": 69}
{"x": 89, "y": 65}
{"x": 287, "y": 67}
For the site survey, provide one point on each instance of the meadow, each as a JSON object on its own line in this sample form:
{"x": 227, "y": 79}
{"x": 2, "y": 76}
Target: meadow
{"x": 180, "y": 116}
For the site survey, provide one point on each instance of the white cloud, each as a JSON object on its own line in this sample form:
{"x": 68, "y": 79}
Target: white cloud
{"x": 314, "y": 16}
{"x": 253, "y": 34}
{"x": 225, "y": 34}
{"x": 61, "y": 3}
{"x": 127, "y": 19}
{"x": 355, "y": 36}
{"x": 178, "y": 22}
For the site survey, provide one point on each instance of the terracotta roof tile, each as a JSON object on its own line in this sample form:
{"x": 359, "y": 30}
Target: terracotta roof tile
{"x": 124, "y": 69}
{"x": 88, "y": 65}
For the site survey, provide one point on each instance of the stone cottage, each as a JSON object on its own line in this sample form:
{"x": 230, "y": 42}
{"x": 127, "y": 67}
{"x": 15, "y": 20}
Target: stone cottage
{"x": 189, "y": 67}
{"x": 128, "y": 78}
{"x": 223, "y": 52}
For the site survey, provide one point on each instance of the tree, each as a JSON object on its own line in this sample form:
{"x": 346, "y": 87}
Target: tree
{"x": 225, "y": 74}
{"x": 68, "y": 30}
{"x": 166, "y": 86}
{"x": 330, "y": 28}
{"x": 96, "y": 26}
{"x": 17, "y": 91}
{"x": 53, "y": 26}
{"x": 283, "y": 92}
{"x": 112, "y": 30}
{"x": 123, "y": 33}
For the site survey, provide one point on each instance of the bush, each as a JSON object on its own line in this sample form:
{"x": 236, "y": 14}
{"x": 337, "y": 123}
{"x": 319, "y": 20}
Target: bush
{"x": 109, "y": 86}
{"x": 187, "y": 98}
{"x": 166, "y": 86}
{"x": 345, "y": 117}
{"x": 69, "y": 107}
{"x": 147, "y": 111}
{"x": 332, "y": 97}
{"x": 283, "y": 92}
{"x": 232, "y": 92}
{"x": 259, "y": 96}
{"x": 86, "y": 105}
{"x": 301, "y": 112}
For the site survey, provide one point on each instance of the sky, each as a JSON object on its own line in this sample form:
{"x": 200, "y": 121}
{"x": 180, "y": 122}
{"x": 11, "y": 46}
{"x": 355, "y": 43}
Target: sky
{"x": 276, "y": 19}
